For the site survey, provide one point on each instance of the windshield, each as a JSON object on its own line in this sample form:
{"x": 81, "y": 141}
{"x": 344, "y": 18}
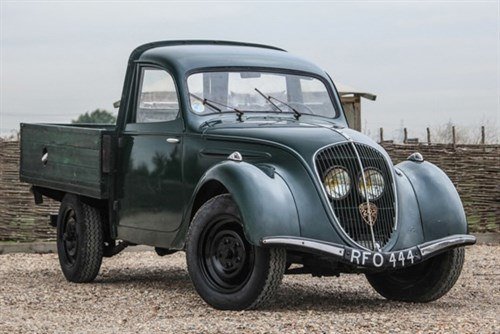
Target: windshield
{"x": 213, "y": 92}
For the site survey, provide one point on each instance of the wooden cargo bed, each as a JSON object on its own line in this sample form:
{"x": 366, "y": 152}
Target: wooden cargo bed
{"x": 69, "y": 158}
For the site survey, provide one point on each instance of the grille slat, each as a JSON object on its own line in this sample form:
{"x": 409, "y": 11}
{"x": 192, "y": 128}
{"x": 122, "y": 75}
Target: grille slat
{"x": 369, "y": 160}
{"x": 354, "y": 170}
{"x": 347, "y": 209}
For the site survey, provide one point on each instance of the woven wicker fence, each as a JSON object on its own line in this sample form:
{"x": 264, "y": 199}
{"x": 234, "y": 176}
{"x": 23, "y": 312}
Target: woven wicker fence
{"x": 474, "y": 169}
{"x": 20, "y": 218}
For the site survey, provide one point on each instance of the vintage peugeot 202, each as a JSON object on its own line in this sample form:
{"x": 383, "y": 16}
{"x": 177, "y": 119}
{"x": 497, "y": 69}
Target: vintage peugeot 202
{"x": 240, "y": 155}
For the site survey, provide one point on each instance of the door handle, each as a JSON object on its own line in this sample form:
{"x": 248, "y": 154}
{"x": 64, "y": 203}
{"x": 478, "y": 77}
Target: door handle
{"x": 173, "y": 140}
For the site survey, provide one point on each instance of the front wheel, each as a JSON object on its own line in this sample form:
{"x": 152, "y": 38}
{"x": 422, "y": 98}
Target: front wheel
{"x": 421, "y": 283}
{"x": 79, "y": 240}
{"x": 227, "y": 271}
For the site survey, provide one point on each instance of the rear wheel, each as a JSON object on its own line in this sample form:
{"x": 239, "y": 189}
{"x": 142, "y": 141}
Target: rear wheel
{"x": 424, "y": 282}
{"x": 79, "y": 240}
{"x": 227, "y": 271}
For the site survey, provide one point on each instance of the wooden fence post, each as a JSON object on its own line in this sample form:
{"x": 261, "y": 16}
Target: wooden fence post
{"x": 405, "y": 138}
{"x": 428, "y": 136}
{"x": 381, "y": 135}
{"x": 483, "y": 135}
{"x": 453, "y": 136}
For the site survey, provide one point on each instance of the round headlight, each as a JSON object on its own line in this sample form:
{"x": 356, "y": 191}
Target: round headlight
{"x": 375, "y": 184}
{"x": 337, "y": 182}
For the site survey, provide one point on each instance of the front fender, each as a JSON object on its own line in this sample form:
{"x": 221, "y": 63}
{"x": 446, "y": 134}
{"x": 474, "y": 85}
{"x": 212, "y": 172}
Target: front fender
{"x": 441, "y": 210}
{"x": 264, "y": 200}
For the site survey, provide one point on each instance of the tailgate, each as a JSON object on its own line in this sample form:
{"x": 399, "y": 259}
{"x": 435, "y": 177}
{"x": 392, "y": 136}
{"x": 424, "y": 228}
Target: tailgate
{"x": 67, "y": 158}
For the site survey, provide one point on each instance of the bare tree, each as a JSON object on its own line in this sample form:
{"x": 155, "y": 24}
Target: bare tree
{"x": 465, "y": 134}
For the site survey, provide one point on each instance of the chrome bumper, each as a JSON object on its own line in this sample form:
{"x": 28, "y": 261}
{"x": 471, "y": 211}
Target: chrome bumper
{"x": 364, "y": 258}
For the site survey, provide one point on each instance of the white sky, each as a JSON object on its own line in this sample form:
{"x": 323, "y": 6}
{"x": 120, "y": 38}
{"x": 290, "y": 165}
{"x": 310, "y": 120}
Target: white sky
{"x": 429, "y": 62}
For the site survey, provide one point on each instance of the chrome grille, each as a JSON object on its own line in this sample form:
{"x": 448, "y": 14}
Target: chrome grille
{"x": 356, "y": 157}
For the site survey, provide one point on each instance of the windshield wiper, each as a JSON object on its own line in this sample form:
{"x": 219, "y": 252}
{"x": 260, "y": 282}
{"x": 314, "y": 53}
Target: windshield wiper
{"x": 268, "y": 99}
{"x": 296, "y": 113}
{"x": 212, "y": 104}
{"x": 206, "y": 102}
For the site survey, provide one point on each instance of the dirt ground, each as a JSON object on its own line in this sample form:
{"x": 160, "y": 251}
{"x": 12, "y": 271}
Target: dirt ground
{"x": 141, "y": 292}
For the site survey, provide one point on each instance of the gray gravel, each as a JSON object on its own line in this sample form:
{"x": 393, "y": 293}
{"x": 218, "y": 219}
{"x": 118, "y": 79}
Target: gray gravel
{"x": 141, "y": 292}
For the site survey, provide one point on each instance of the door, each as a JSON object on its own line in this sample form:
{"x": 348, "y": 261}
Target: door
{"x": 150, "y": 186}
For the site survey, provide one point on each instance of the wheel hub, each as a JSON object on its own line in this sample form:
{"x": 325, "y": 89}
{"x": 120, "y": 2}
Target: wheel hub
{"x": 227, "y": 259}
{"x": 230, "y": 252}
{"x": 69, "y": 236}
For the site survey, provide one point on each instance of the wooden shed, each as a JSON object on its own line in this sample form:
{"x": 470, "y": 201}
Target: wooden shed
{"x": 351, "y": 101}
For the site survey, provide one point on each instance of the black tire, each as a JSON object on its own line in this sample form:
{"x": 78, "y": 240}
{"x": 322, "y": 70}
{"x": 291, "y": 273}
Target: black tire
{"x": 226, "y": 270}
{"x": 422, "y": 283}
{"x": 80, "y": 240}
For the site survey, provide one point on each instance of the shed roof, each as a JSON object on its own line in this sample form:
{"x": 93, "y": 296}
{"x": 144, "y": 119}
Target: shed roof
{"x": 345, "y": 90}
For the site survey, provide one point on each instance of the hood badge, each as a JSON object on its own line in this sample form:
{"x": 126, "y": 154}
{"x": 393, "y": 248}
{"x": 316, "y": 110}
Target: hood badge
{"x": 368, "y": 212}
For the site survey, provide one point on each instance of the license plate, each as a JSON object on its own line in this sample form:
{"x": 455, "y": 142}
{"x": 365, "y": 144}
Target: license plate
{"x": 395, "y": 259}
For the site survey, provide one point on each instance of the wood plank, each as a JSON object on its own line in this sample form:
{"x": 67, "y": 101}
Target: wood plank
{"x": 76, "y": 137}
{"x": 69, "y": 155}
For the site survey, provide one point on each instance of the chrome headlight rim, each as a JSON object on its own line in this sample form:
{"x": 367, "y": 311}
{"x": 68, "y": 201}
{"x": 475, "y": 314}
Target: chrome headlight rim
{"x": 346, "y": 178}
{"x": 361, "y": 184}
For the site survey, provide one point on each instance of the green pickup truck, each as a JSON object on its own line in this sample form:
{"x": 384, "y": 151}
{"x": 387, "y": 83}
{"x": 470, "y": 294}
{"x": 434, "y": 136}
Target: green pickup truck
{"x": 240, "y": 155}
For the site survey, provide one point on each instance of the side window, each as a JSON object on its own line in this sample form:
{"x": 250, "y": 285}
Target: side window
{"x": 157, "y": 101}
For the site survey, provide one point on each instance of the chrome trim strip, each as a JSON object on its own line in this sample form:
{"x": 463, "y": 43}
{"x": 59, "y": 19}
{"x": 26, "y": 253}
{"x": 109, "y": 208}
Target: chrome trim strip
{"x": 444, "y": 243}
{"x": 304, "y": 243}
{"x": 362, "y": 168}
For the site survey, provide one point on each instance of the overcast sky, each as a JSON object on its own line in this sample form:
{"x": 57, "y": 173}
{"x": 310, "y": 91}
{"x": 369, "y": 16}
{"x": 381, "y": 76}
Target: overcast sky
{"x": 427, "y": 62}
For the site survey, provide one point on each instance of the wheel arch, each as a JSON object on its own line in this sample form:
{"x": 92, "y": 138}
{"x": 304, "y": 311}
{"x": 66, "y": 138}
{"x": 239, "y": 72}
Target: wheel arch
{"x": 265, "y": 202}
{"x": 441, "y": 210}
{"x": 206, "y": 191}
{"x": 99, "y": 204}
{"x": 87, "y": 238}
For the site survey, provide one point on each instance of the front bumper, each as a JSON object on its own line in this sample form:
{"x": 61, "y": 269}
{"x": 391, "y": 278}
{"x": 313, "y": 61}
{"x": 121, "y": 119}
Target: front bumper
{"x": 363, "y": 258}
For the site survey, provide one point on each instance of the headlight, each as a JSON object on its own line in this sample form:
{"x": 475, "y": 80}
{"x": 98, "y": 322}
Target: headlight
{"x": 374, "y": 184}
{"x": 337, "y": 182}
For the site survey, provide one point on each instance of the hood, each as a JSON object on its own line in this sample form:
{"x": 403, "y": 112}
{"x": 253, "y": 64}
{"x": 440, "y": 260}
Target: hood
{"x": 305, "y": 136}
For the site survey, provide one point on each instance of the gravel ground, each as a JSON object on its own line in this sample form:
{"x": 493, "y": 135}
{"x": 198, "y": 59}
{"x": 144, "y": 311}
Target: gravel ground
{"x": 141, "y": 292}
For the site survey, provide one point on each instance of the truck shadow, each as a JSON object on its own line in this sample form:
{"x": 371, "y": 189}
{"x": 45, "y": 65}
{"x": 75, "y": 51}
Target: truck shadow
{"x": 163, "y": 279}
{"x": 308, "y": 297}
{"x": 290, "y": 296}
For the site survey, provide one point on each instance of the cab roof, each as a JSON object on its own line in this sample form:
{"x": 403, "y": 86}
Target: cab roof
{"x": 186, "y": 56}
